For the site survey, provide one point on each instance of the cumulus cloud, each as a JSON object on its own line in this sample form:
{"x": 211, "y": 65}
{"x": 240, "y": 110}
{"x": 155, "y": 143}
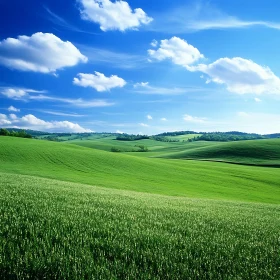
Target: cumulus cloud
{"x": 41, "y": 52}
{"x": 13, "y": 109}
{"x": 31, "y": 122}
{"x": 149, "y": 117}
{"x": 178, "y": 51}
{"x": 116, "y": 15}
{"x": 189, "y": 118}
{"x": 99, "y": 81}
{"x": 257, "y": 99}
{"x": 241, "y": 76}
{"x": 163, "y": 119}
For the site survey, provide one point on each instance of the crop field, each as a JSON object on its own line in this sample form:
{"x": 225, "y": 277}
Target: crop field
{"x": 71, "y": 210}
{"x": 59, "y": 230}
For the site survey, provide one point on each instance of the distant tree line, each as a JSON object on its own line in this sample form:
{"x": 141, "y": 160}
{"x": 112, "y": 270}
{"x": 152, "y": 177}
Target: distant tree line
{"x": 19, "y": 133}
{"x": 131, "y": 137}
{"x": 163, "y": 139}
{"x": 178, "y": 133}
{"x": 226, "y": 137}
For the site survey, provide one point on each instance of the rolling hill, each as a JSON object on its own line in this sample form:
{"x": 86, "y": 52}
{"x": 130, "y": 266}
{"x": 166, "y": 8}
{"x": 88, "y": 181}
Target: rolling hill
{"x": 264, "y": 152}
{"x": 73, "y": 163}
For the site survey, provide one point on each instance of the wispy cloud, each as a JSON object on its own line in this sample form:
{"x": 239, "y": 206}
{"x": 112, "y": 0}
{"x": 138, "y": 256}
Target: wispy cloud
{"x": 203, "y": 16}
{"x": 145, "y": 88}
{"x": 192, "y": 119}
{"x": 59, "y": 21}
{"x": 115, "y": 59}
{"x": 75, "y": 102}
{"x": 56, "y": 113}
{"x": 143, "y": 125}
{"x": 30, "y": 94}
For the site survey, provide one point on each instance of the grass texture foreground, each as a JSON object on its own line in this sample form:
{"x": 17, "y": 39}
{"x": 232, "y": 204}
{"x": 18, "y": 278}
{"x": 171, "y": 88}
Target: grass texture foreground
{"x": 59, "y": 230}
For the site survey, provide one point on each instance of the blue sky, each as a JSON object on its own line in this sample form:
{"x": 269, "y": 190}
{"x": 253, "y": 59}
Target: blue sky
{"x": 140, "y": 67}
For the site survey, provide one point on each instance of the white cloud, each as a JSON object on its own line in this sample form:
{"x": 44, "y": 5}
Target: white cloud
{"x": 189, "y": 118}
{"x": 42, "y": 52}
{"x": 99, "y": 81}
{"x": 178, "y": 51}
{"x": 31, "y": 122}
{"x": 143, "y": 124}
{"x": 149, "y": 117}
{"x": 258, "y": 99}
{"x": 120, "y": 132}
{"x": 13, "y": 109}
{"x": 241, "y": 76}
{"x": 4, "y": 120}
{"x": 163, "y": 119}
{"x": 116, "y": 15}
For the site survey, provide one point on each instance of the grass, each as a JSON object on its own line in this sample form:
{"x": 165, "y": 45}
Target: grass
{"x": 162, "y": 176}
{"x": 59, "y": 230}
{"x": 255, "y": 152}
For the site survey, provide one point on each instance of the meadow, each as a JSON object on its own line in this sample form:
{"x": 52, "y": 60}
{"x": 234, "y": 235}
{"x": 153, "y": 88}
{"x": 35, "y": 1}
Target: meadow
{"x": 76, "y": 210}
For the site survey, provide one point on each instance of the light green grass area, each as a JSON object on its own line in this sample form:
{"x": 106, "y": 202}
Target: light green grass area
{"x": 154, "y": 175}
{"x": 58, "y": 230}
{"x": 255, "y": 152}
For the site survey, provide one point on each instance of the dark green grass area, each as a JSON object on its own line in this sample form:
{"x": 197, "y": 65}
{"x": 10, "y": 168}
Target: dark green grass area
{"x": 163, "y": 176}
{"x": 58, "y": 230}
{"x": 255, "y": 152}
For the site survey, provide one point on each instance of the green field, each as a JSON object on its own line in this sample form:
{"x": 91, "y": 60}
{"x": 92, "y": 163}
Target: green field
{"x": 198, "y": 179}
{"x": 75, "y": 210}
{"x": 58, "y": 230}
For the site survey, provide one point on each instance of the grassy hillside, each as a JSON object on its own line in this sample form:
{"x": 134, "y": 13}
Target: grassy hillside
{"x": 57, "y": 230}
{"x": 258, "y": 152}
{"x": 154, "y": 147}
{"x": 114, "y": 170}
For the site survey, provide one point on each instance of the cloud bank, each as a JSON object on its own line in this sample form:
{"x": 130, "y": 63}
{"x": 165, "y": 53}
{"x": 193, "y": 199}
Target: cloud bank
{"x": 31, "y": 122}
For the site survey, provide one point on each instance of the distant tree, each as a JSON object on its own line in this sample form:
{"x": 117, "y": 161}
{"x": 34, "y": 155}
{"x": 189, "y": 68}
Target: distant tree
{"x": 4, "y": 132}
{"x": 115, "y": 150}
